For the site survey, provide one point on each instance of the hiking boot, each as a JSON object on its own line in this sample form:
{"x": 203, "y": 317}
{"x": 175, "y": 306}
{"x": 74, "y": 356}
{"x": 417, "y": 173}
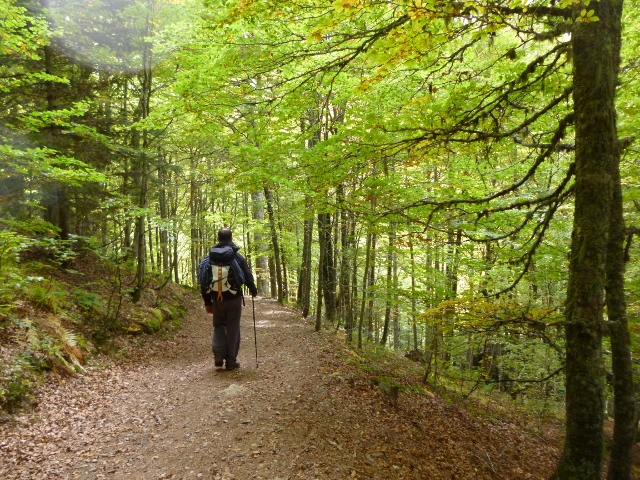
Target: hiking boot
{"x": 232, "y": 366}
{"x": 218, "y": 361}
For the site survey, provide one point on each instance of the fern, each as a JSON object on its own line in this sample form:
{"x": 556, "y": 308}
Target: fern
{"x": 67, "y": 337}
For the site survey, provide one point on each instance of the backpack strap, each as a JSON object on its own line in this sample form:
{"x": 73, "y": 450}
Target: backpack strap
{"x": 220, "y": 284}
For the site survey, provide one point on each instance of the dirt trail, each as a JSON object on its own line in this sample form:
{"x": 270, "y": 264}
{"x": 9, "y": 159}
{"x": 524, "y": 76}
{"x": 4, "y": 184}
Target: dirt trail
{"x": 298, "y": 415}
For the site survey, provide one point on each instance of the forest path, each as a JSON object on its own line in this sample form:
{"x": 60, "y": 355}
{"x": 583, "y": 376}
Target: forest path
{"x": 172, "y": 414}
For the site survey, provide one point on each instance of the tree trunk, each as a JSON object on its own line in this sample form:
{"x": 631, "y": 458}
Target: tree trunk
{"x": 321, "y": 261}
{"x": 354, "y": 277}
{"x": 150, "y": 232}
{"x": 395, "y": 315}
{"x": 158, "y": 250}
{"x": 173, "y": 246}
{"x": 365, "y": 277}
{"x": 283, "y": 263}
{"x": 140, "y": 227}
{"x": 621, "y": 459}
{"x": 194, "y": 217}
{"x": 596, "y": 57}
{"x": 454, "y": 240}
{"x": 304, "y": 286}
{"x": 285, "y": 277}
{"x": 246, "y": 237}
{"x": 414, "y": 313}
{"x": 273, "y": 281}
{"x": 276, "y": 245}
{"x": 164, "y": 234}
{"x": 262, "y": 261}
{"x": 371, "y": 282}
{"x": 146, "y": 78}
{"x": 327, "y": 269}
{"x": 176, "y": 271}
{"x": 55, "y": 194}
{"x": 389, "y": 294}
{"x": 346, "y": 239}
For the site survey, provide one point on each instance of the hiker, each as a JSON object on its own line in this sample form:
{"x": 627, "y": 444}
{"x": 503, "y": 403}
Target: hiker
{"x": 226, "y": 306}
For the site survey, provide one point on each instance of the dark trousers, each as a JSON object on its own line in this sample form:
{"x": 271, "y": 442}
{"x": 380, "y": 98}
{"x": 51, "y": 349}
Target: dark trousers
{"x": 226, "y": 329}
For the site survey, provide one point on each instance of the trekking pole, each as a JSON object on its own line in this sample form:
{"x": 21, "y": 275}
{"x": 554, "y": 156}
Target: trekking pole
{"x": 255, "y": 336}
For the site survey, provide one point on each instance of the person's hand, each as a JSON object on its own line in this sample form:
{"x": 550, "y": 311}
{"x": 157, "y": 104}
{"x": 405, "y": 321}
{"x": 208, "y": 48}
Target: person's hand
{"x": 208, "y": 308}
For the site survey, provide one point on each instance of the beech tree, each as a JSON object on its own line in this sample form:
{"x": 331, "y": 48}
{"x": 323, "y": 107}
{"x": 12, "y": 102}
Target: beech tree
{"x": 596, "y": 251}
{"x": 513, "y": 98}
{"x": 447, "y": 154}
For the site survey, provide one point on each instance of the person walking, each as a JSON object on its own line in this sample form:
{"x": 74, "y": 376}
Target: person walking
{"x": 226, "y": 307}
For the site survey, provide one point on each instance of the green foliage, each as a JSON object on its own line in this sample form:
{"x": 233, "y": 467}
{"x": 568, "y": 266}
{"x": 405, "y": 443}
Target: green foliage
{"x": 11, "y": 244}
{"x": 46, "y": 293}
{"x": 15, "y": 389}
{"x": 22, "y": 34}
{"x": 91, "y": 302}
{"x": 37, "y": 166}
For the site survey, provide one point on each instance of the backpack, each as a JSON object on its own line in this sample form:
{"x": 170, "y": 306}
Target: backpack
{"x": 220, "y": 272}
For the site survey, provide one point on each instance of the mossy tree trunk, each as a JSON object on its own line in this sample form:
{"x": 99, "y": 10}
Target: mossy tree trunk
{"x": 621, "y": 461}
{"x": 596, "y": 51}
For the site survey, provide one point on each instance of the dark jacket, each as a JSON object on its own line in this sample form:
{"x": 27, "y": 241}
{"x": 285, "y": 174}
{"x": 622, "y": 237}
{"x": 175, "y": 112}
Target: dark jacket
{"x": 249, "y": 282}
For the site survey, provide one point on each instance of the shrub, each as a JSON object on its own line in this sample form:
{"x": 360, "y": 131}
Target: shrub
{"x": 88, "y": 301}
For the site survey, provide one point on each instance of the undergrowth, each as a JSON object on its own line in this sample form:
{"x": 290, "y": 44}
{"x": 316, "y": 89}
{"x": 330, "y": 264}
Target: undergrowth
{"x": 59, "y": 309}
{"x": 396, "y": 375}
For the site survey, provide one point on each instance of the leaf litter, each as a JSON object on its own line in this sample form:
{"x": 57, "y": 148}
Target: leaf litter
{"x": 165, "y": 411}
